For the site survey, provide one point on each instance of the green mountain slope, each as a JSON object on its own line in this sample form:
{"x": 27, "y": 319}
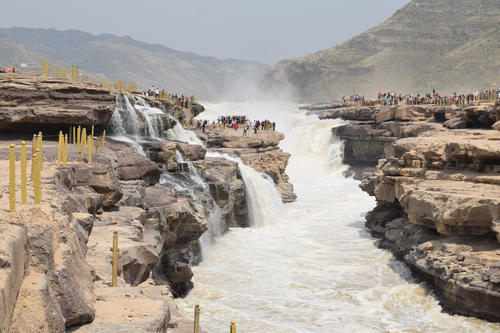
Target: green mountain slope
{"x": 131, "y": 60}
{"x": 444, "y": 44}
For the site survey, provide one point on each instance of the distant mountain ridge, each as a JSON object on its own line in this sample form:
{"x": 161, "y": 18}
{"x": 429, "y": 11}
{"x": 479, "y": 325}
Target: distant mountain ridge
{"x": 450, "y": 45}
{"x": 128, "y": 59}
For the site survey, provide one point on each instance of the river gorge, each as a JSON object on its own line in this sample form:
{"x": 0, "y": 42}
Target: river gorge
{"x": 273, "y": 230}
{"x": 311, "y": 265}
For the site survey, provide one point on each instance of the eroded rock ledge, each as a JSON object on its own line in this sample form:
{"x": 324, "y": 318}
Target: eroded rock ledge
{"x": 31, "y": 102}
{"x": 437, "y": 185}
{"x": 260, "y": 151}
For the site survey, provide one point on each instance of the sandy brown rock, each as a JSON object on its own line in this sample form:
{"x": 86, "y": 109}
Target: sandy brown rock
{"x": 438, "y": 207}
{"x": 13, "y": 251}
{"x": 134, "y": 166}
{"x": 259, "y": 151}
{"x": 30, "y": 100}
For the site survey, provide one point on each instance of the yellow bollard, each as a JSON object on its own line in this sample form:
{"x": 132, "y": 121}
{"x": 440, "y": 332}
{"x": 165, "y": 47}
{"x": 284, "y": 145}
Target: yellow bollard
{"x": 33, "y": 147}
{"x": 83, "y": 141}
{"x": 24, "y": 193}
{"x": 74, "y": 135}
{"x": 103, "y": 139}
{"x": 12, "y": 178}
{"x": 232, "y": 328}
{"x": 39, "y": 146}
{"x": 196, "y": 319}
{"x": 34, "y": 163}
{"x": 89, "y": 149}
{"x": 78, "y": 139}
{"x": 115, "y": 260}
{"x": 59, "y": 148}
{"x": 65, "y": 150}
{"x": 92, "y": 133}
{"x": 38, "y": 177}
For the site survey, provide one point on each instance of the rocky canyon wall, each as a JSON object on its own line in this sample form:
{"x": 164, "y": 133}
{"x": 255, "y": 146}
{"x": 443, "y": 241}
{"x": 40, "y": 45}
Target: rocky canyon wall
{"x": 435, "y": 173}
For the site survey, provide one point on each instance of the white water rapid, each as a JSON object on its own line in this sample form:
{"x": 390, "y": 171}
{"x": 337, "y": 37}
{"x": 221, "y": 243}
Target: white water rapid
{"x": 310, "y": 266}
{"x": 180, "y": 134}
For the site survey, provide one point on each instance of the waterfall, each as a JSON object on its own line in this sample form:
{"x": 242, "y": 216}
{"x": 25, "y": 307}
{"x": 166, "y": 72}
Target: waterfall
{"x": 128, "y": 119}
{"x": 193, "y": 185}
{"x": 153, "y": 118}
{"x": 116, "y": 124}
{"x": 263, "y": 199}
{"x": 178, "y": 133}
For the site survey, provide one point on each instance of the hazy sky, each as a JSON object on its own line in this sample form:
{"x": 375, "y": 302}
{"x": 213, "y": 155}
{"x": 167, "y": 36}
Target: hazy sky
{"x": 262, "y": 30}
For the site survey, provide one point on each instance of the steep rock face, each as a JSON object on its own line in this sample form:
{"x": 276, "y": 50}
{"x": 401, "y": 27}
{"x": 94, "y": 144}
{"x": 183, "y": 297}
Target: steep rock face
{"x": 435, "y": 172}
{"x": 367, "y": 141}
{"x": 56, "y": 291}
{"x": 261, "y": 152}
{"x": 443, "y": 181}
{"x": 227, "y": 188}
{"x": 13, "y": 247}
{"x": 31, "y": 102}
{"x": 438, "y": 207}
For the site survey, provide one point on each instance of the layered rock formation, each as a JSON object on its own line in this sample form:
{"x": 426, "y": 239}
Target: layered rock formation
{"x": 259, "y": 151}
{"x": 31, "y": 100}
{"x": 438, "y": 196}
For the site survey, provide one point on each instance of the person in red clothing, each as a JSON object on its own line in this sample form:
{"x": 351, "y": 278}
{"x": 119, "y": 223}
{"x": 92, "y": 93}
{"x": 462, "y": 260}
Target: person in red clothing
{"x": 236, "y": 126}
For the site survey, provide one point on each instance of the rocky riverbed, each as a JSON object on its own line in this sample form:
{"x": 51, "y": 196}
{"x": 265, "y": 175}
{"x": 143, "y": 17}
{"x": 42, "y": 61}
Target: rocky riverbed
{"x": 435, "y": 172}
{"x": 56, "y": 260}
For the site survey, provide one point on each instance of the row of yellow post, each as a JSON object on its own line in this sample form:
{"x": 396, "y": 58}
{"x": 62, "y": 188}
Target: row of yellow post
{"x": 62, "y": 73}
{"x": 82, "y": 140}
{"x": 36, "y": 168}
{"x": 196, "y": 329}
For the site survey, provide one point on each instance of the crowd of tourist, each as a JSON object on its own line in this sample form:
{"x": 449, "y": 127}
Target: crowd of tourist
{"x": 235, "y": 123}
{"x": 179, "y": 100}
{"x": 392, "y": 98}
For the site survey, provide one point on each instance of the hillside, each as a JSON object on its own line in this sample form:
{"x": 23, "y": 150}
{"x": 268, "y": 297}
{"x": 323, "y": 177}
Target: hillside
{"x": 445, "y": 44}
{"x": 128, "y": 59}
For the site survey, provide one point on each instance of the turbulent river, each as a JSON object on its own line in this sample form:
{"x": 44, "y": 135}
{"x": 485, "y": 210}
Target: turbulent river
{"x": 310, "y": 266}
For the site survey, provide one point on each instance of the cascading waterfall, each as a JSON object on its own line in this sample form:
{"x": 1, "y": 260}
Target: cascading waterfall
{"x": 153, "y": 117}
{"x": 263, "y": 199}
{"x": 316, "y": 268}
{"x": 125, "y": 124}
{"x": 180, "y": 134}
{"x": 214, "y": 216}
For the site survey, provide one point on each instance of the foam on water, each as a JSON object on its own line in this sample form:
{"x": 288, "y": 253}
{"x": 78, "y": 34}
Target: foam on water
{"x": 311, "y": 266}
